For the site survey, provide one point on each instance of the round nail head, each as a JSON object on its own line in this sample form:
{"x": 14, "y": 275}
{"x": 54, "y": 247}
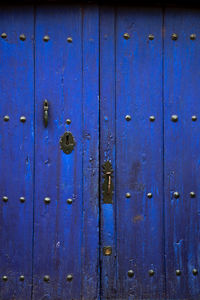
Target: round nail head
{"x": 69, "y": 39}
{"x": 126, "y": 36}
{"x": 195, "y": 272}
{"x": 22, "y": 37}
{"x": 46, "y": 278}
{"x": 5, "y": 278}
{"x": 192, "y": 36}
{"x": 151, "y": 37}
{"x": 176, "y": 195}
{"x": 5, "y": 199}
{"x": 69, "y": 277}
{"x": 152, "y": 118}
{"x": 6, "y": 118}
{"x": 174, "y": 36}
{"x": 130, "y": 273}
{"x": 149, "y": 195}
{"x": 194, "y": 118}
{"x": 46, "y": 38}
{"x": 128, "y": 195}
{"x": 69, "y": 201}
{"x": 178, "y": 272}
{"x": 23, "y": 119}
{"x": 47, "y": 200}
{"x": 128, "y": 117}
{"x": 22, "y": 199}
{"x": 4, "y": 35}
{"x": 174, "y": 118}
{"x": 151, "y": 272}
{"x": 68, "y": 121}
{"x": 192, "y": 194}
{"x": 21, "y": 278}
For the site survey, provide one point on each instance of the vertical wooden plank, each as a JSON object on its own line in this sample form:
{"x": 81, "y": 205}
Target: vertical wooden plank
{"x": 182, "y": 173}
{"x": 58, "y": 225}
{"x": 139, "y": 154}
{"x": 16, "y": 151}
{"x": 107, "y": 148}
{"x": 90, "y": 242}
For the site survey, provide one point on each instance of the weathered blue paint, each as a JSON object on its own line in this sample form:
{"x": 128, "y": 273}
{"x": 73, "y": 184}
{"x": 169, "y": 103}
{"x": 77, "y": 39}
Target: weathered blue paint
{"x": 182, "y": 173}
{"x": 139, "y": 153}
{"x": 16, "y": 151}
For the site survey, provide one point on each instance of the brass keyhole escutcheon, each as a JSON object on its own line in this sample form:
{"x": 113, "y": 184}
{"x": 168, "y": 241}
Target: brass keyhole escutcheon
{"x": 67, "y": 142}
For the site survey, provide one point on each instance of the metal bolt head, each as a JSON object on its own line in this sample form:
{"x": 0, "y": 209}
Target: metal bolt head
{"x": 4, "y": 35}
{"x": 46, "y": 38}
{"x": 174, "y": 118}
{"x": 130, "y": 273}
{"x": 151, "y": 37}
{"x": 128, "y": 195}
{"x": 176, "y": 195}
{"x": 107, "y": 250}
{"x": 195, "y": 272}
{"x": 47, "y": 200}
{"x": 152, "y": 118}
{"x": 21, "y": 278}
{"x": 192, "y": 194}
{"x": 5, "y": 278}
{"x": 69, "y": 277}
{"x": 46, "y": 278}
{"x": 68, "y": 121}
{"x": 23, "y": 119}
{"x": 22, "y": 37}
{"x": 128, "y": 117}
{"x": 194, "y": 118}
{"x": 22, "y": 199}
{"x": 126, "y": 36}
{"x": 149, "y": 195}
{"x": 69, "y": 39}
{"x": 193, "y": 36}
{"x": 151, "y": 272}
{"x": 5, "y": 198}
{"x": 174, "y": 36}
{"x": 69, "y": 201}
{"x": 178, "y": 272}
{"x": 6, "y": 118}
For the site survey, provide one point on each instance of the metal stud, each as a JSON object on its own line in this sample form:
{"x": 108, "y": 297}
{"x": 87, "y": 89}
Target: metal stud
{"x": 69, "y": 39}
{"x": 130, "y": 273}
{"x": 68, "y": 121}
{"x": 46, "y": 278}
{"x": 176, "y": 195}
{"x": 5, "y": 199}
{"x": 46, "y": 38}
{"x": 178, "y": 272}
{"x": 69, "y": 201}
{"x": 128, "y": 195}
{"x": 23, "y": 119}
{"x": 195, "y": 272}
{"x": 126, "y": 36}
{"x": 21, "y": 278}
{"x": 69, "y": 277}
{"x": 174, "y": 118}
{"x": 149, "y": 195}
{"x": 194, "y": 118}
{"x": 151, "y": 272}
{"x": 151, "y": 37}
{"x": 128, "y": 117}
{"x": 193, "y": 36}
{"x": 107, "y": 250}
{"x": 22, "y": 199}
{"x": 6, "y": 118}
{"x": 47, "y": 200}
{"x": 174, "y": 36}
{"x": 22, "y": 37}
{"x": 4, "y": 35}
{"x": 5, "y": 278}
{"x": 192, "y": 194}
{"x": 152, "y": 118}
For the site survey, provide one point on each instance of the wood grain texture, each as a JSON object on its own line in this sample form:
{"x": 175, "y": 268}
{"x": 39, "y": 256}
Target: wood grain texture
{"x": 182, "y": 172}
{"x": 139, "y": 153}
{"x": 16, "y": 151}
{"x": 107, "y": 148}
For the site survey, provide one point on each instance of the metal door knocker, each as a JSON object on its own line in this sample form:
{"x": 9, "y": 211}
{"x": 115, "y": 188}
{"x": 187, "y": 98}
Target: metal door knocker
{"x": 67, "y": 142}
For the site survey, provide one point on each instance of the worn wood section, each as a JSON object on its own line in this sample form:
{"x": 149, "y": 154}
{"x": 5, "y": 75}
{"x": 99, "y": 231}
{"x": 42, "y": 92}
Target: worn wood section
{"x": 182, "y": 173}
{"x": 107, "y": 148}
{"x": 139, "y": 153}
{"x": 16, "y": 151}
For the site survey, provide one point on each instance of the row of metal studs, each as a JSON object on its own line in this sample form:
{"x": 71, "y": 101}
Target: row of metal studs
{"x": 46, "y": 278}
{"x": 152, "y": 272}
{"x": 22, "y": 37}
{"x": 175, "y": 194}
{"x": 174, "y": 118}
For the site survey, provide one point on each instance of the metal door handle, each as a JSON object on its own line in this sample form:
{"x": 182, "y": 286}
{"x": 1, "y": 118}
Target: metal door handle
{"x": 45, "y": 109}
{"x": 107, "y": 187}
{"x": 109, "y": 182}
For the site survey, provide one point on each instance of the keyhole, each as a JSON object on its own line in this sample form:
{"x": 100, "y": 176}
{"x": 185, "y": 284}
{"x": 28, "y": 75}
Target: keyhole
{"x": 67, "y": 139}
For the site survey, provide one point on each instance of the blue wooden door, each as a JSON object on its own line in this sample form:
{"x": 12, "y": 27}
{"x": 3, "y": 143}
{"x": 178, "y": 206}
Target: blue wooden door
{"x": 99, "y": 152}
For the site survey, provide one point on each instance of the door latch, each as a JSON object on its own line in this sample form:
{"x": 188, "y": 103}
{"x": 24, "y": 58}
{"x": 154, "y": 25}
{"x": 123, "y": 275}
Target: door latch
{"x": 45, "y": 111}
{"x": 107, "y": 186}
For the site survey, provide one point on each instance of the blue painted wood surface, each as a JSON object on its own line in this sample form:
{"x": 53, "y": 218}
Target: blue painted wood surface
{"x": 139, "y": 154}
{"x": 16, "y": 151}
{"x": 182, "y": 173}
